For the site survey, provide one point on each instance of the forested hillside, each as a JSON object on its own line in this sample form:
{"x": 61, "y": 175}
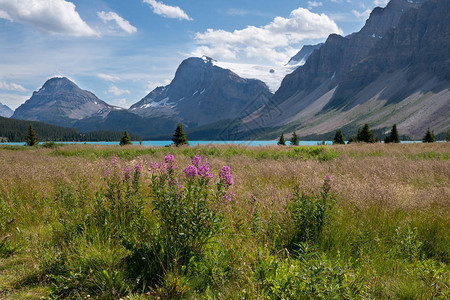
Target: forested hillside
{"x": 15, "y": 131}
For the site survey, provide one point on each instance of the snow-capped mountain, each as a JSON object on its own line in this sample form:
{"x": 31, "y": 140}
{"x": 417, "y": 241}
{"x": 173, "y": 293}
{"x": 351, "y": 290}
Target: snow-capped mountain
{"x": 201, "y": 93}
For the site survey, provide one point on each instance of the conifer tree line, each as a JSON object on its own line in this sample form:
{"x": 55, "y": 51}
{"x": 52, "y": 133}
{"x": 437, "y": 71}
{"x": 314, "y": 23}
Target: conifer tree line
{"x": 365, "y": 135}
{"x": 12, "y": 130}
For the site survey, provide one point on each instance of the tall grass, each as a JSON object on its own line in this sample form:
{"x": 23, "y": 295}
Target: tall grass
{"x": 75, "y": 224}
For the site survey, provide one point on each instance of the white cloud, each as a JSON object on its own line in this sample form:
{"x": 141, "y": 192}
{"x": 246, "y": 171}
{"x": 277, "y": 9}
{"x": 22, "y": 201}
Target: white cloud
{"x": 53, "y": 16}
{"x": 243, "y": 12}
{"x": 312, "y": 4}
{"x": 381, "y": 3}
{"x": 12, "y": 87}
{"x": 13, "y": 100}
{"x": 151, "y": 85}
{"x": 107, "y": 77}
{"x": 173, "y": 12}
{"x": 364, "y": 14}
{"x": 116, "y": 91}
{"x": 275, "y": 42}
{"x": 120, "y": 22}
{"x": 122, "y": 102}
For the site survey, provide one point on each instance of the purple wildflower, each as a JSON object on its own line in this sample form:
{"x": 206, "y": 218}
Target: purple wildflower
{"x": 252, "y": 199}
{"x": 169, "y": 159}
{"x": 327, "y": 179}
{"x": 163, "y": 167}
{"x": 114, "y": 160}
{"x": 191, "y": 171}
{"x": 126, "y": 173}
{"x": 225, "y": 176}
{"x": 138, "y": 169}
{"x": 196, "y": 161}
{"x": 153, "y": 167}
{"x": 203, "y": 171}
{"x": 228, "y": 197}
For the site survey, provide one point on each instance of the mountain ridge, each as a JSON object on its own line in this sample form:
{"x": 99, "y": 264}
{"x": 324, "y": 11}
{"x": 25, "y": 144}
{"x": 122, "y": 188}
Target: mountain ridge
{"x": 5, "y": 111}
{"x": 61, "y": 102}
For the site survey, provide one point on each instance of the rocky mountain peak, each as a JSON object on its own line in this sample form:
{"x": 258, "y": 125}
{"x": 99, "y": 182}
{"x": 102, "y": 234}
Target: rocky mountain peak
{"x": 58, "y": 84}
{"x": 61, "y": 102}
{"x": 5, "y": 111}
{"x": 201, "y": 93}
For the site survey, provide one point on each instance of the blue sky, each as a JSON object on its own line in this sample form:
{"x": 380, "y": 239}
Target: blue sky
{"x": 121, "y": 50}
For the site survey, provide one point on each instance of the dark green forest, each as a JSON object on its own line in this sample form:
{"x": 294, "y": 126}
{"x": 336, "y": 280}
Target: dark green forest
{"x": 15, "y": 131}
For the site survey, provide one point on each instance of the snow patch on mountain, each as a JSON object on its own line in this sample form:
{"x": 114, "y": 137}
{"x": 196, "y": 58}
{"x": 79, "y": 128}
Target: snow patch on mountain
{"x": 270, "y": 75}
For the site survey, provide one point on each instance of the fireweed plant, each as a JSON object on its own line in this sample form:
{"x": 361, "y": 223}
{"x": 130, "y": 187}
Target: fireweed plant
{"x": 187, "y": 206}
{"x": 76, "y": 225}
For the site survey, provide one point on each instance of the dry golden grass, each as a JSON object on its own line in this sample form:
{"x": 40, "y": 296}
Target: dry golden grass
{"x": 378, "y": 178}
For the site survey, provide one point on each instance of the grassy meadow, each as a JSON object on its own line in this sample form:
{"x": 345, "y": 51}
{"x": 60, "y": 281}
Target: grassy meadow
{"x": 358, "y": 221}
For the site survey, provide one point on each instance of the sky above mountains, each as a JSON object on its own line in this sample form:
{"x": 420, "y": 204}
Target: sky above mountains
{"x": 121, "y": 50}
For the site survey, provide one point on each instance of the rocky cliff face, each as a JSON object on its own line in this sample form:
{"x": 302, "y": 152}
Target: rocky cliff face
{"x": 201, "y": 93}
{"x": 5, "y": 111}
{"x": 396, "y": 69}
{"x": 420, "y": 43}
{"x": 301, "y": 57}
{"x": 61, "y": 102}
{"x": 340, "y": 54}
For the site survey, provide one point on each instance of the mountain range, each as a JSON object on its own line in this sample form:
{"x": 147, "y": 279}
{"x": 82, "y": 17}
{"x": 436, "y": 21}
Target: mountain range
{"x": 5, "y": 111}
{"x": 396, "y": 69}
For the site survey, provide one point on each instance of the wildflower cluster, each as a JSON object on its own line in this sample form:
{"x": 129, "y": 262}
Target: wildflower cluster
{"x": 188, "y": 219}
{"x": 225, "y": 176}
{"x": 198, "y": 169}
{"x": 191, "y": 171}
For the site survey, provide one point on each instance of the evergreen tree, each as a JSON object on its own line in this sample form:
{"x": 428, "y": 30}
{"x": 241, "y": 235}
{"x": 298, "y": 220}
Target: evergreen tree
{"x": 429, "y": 137}
{"x": 338, "y": 138}
{"x": 447, "y": 136}
{"x": 294, "y": 139}
{"x": 393, "y": 137}
{"x": 179, "y": 138}
{"x": 31, "y": 137}
{"x": 281, "y": 141}
{"x": 125, "y": 140}
{"x": 365, "y": 135}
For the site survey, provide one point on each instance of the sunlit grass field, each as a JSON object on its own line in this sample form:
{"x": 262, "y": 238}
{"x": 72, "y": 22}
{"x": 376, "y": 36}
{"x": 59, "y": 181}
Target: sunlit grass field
{"x": 358, "y": 221}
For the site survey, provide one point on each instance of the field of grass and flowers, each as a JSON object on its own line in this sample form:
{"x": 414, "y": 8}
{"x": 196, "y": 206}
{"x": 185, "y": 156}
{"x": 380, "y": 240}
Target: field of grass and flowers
{"x": 225, "y": 222}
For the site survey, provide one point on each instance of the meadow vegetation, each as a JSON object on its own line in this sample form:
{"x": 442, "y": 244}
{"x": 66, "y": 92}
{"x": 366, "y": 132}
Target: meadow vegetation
{"x": 359, "y": 221}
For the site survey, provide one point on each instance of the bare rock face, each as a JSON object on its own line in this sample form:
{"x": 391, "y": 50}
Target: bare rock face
{"x": 5, "y": 111}
{"x": 201, "y": 93}
{"x": 61, "y": 102}
{"x": 301, "y": 57}
{"x": 420, "y": 42}
{"x": 396, "y": 69}
{"x": 340, "y": 54}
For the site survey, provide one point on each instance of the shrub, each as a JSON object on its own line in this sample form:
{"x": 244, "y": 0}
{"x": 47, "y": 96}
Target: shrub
{"x": 309, "y": 212}
{"x": 7, "y": 246}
